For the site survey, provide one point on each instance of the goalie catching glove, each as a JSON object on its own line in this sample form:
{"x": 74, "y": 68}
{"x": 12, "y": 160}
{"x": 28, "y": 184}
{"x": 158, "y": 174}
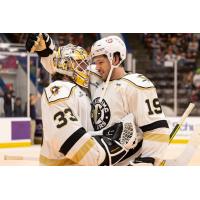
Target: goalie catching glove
{"x": 117, "y": 140}
{"x": 41, "y": 43}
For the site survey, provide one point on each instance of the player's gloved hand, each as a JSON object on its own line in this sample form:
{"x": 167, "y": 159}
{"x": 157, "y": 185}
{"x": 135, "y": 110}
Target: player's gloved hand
{"x": 124, "y": 132}
{"x": 145, "y": 161}
{"x": 112, "y": 130}
{"x": 41, "y": 43}
{"x": 118, "y": 140}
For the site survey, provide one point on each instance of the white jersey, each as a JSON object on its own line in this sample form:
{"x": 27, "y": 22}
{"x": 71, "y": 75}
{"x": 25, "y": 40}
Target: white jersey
{"x": 133, "y": 93}
{"x": 66, "y": 120}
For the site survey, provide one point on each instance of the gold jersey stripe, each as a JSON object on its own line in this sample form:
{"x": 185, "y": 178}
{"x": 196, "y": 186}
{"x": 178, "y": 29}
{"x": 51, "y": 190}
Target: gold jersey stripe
{"x": 156, "y": 137}
{"x": 55, "y": 162}
{"x": 66, "y": 161}
{"x": 84, "y": 149}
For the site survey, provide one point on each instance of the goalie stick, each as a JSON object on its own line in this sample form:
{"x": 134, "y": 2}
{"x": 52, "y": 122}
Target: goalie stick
{"x": 178, "y": 126}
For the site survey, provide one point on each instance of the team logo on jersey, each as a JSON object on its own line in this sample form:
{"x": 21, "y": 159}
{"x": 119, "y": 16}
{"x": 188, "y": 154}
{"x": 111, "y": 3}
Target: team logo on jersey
{"x": 54, "y": 90}
{"x": 100, "y": 114}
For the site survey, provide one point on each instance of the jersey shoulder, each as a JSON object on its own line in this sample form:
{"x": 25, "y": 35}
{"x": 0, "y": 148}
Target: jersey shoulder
{"x": 59, "y": 90}
{"x": 138, "y": 80}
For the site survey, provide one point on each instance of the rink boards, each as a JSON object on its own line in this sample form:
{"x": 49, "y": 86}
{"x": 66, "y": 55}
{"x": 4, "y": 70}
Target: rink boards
{"x": 14, "y": 132}
{"x": 192, "y": 124}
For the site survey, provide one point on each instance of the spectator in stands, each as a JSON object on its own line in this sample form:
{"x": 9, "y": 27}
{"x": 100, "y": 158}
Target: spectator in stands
{"x": 196, "y": 79}
{"x": 193, "y": 45}
{"x": 33, "y": 101}
{"x": 18, "y": 107}
{"x": 196, "y": 83}
{"x": 8, "y": 101}
{"x": 188, "y": 81}
{"x": 156, "y": 44}
{"x": 159, "y": 59}
{"x": 190, "y": 60}
{"x": 173, "y": 43}
{"x": 181, "y": 59}
{"x": 169, "y": 58}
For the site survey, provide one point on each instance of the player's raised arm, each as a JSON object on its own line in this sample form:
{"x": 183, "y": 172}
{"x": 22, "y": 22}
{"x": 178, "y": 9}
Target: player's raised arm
{"x": 40, "y": 43}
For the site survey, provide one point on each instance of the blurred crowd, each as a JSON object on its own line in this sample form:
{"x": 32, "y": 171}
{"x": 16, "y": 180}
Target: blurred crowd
{"x": 12, "y": 105}
{"x": 162, "y": 48}
{"x": 165, "y": 48}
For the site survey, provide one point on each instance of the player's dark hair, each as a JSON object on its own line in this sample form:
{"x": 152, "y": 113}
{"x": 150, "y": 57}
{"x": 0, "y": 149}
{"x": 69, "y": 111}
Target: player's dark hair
{"x": 118, "y": 54}
{"x": 57, "y": 76}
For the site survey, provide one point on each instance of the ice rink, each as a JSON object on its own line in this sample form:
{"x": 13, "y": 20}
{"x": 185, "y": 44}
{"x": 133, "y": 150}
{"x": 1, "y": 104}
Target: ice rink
{"x": 28, "y": 156}
{"x": 24, "y": 156}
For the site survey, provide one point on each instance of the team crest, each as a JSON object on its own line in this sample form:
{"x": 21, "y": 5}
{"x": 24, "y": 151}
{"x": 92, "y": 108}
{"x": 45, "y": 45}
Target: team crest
{"x": 54, "y": 90}
{"x": 100, "y": 114}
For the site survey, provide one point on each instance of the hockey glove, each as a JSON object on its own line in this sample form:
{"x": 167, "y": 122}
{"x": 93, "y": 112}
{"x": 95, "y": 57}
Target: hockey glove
{"x": 118, "y": 139}
{"x": 41, "y": 43}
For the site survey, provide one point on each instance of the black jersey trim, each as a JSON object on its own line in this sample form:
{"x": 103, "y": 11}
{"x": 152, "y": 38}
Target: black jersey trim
{"x": 154, "y": 125}
{"x": 69, "y": 143}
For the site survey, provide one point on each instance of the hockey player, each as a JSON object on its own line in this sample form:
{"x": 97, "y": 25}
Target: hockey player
{"x": 66, "y": 113}
{"x": 122, "y": 93}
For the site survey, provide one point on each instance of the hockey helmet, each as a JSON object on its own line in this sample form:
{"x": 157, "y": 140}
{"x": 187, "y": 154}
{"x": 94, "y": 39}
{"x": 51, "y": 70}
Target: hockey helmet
{"x": 72, "y": 60}
{"x": 108, "y": 46}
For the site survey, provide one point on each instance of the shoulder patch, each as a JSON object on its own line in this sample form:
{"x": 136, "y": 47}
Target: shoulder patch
{"x": 58, "y": 90}
{"x": 138, "y": 80}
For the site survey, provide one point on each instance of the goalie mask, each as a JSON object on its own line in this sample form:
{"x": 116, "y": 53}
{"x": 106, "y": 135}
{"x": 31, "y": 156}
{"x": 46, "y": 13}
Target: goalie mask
{"x": 109, "y": 46}
{"x": 72, "y": 61}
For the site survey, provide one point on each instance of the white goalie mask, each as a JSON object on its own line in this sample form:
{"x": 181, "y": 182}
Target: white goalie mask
{"x": 108, "y": 46}
{"x": 72, "y": 60}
